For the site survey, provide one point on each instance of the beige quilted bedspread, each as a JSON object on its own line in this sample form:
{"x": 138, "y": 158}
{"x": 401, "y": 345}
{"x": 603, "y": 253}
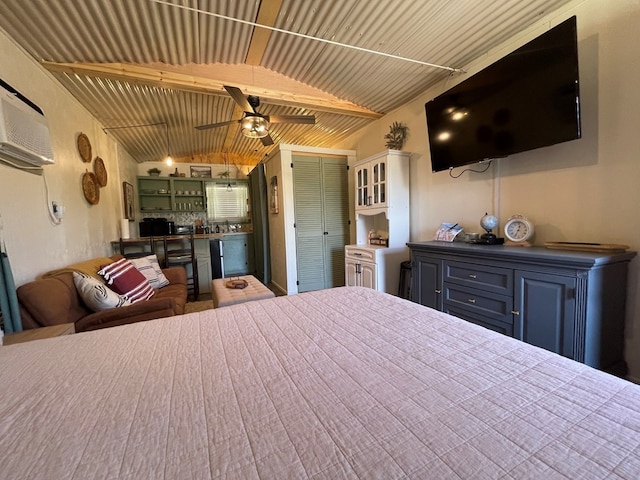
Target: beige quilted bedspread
{"x": 342, "y": 383}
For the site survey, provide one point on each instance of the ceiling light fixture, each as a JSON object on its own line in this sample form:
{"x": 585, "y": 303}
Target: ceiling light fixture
{"x": 255, "y": 126}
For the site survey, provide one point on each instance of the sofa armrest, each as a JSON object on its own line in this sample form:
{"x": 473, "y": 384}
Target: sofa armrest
{"x": 138, "y": 312}
{"x": 176, "y": 275}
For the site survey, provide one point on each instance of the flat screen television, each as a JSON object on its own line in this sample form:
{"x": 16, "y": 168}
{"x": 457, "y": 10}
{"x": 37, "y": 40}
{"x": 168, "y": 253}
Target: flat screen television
{"x": 526, "y": 100}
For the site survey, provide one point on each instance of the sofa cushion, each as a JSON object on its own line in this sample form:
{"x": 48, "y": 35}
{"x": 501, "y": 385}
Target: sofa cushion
{"x": 122, "y": 277}
{"x": 88, "y": 267}
{"x": 96, "y": 295}
{"x": 150, "y": 268}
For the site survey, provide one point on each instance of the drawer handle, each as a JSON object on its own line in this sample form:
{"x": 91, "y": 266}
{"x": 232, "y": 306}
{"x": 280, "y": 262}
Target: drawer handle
{"x": 472, "y": 300}
{"x": 357, "y": 254}
{"x": 515, "y": 312}
{"x": 473, "y": 275}
{"x": 438, "y": 291}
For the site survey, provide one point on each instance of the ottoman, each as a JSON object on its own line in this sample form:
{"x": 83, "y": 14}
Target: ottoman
{"x": 223, "y": 296}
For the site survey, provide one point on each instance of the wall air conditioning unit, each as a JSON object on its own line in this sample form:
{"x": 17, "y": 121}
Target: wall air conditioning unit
{"x": 24, "y": 132}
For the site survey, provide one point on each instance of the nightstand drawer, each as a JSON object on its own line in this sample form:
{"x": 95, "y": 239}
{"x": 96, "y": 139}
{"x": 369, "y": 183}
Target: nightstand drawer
{"x": 492, "y": 279}
{"x": 498, "y": 307}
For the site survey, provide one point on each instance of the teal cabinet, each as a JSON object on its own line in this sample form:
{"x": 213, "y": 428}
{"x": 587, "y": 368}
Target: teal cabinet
{"x": 238, "y": 254}
{"x": 169, "y": 194}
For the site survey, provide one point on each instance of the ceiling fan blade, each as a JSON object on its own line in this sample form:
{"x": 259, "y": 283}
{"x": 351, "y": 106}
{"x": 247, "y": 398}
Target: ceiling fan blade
{"x": 308, "y": 119}
{"x": 239, "y": 98}
{"x": 215, "y": 125}
{"x": 266, "y": 141}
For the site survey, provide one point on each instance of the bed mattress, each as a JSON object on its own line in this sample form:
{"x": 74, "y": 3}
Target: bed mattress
{"x": 339, "y": 383}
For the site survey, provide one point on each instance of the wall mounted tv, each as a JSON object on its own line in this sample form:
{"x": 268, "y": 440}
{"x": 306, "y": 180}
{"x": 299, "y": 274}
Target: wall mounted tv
{"x": 526, "y": 100}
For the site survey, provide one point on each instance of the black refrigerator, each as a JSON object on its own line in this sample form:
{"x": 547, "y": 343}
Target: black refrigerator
{"x": 258, "y": 190}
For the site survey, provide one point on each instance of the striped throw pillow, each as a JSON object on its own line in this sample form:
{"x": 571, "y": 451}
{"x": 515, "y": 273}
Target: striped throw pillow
{"x": 150, "y": 268}
{"x": 123, "y": 278}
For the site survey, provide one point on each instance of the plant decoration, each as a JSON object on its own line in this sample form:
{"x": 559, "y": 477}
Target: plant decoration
{"x": 397, "y": 135}
{"x": 154, "y": 171}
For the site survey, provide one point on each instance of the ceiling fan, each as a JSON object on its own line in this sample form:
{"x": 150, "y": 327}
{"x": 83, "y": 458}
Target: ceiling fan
{"x": 254, "y": 124}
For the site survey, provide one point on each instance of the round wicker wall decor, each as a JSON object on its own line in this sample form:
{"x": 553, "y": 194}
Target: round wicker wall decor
{"x": 90, "y": 188}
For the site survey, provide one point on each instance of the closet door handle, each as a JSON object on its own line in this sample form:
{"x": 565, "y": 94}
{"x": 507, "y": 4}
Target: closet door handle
{"x": 473, "y": 275}
{"x": 472, "y": 300}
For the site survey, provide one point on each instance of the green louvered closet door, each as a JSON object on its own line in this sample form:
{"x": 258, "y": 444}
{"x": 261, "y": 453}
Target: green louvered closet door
{"x": 321, "y": 203}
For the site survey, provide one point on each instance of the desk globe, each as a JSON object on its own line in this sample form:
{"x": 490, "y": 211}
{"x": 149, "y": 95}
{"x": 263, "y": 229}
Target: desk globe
{"x": 488, "y": 223}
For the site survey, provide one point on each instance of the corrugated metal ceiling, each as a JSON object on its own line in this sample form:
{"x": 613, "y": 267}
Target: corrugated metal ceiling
{"x": 186, "y": 35}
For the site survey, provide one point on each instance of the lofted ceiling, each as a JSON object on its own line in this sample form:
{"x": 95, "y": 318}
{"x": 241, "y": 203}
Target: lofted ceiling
{"x": 158, "y": 67}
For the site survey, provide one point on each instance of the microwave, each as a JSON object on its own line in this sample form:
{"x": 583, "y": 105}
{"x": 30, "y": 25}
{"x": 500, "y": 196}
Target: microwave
{"x": 156, "y": 227}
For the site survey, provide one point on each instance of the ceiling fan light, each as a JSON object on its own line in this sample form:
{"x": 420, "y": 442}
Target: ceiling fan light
{"x": 255, "y": 127}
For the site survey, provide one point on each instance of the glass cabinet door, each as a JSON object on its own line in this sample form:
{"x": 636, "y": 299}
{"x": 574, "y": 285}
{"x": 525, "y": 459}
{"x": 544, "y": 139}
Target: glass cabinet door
{"x": 362, "y": 186}
{"x": 379, "y": 183}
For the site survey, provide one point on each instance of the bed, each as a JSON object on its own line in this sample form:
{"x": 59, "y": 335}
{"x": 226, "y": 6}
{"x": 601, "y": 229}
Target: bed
{"x": 339, "y": 383}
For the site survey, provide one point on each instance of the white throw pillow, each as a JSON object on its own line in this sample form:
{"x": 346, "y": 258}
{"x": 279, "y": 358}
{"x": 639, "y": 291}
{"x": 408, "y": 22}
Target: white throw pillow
{"x": 96, "y": 295}
{"x": 150, "y": 268}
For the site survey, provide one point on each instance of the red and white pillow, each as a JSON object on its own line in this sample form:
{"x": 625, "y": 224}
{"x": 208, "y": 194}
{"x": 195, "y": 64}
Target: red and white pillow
{"x": 124, "y": 278}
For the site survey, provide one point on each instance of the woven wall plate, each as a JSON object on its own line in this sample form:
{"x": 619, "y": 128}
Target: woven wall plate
{"x": 91, "y": 188}
{"x": 101, "y": 172}
{"x": 84, "y": 148}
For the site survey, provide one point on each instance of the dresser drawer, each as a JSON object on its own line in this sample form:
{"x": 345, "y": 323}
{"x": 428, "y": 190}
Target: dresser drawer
{"x": 504, "y": 328}
{"x": 360, "y": 253}
{"x": 479, "y": 302}
{"x": 485, "y": 277}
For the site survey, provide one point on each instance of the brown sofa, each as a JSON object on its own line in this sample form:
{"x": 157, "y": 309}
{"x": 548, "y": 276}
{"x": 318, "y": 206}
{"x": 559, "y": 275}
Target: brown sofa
{"x": 53, "y": 300}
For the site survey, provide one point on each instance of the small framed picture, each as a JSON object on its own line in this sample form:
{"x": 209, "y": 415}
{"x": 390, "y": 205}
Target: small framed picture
{"x": 127, "y": 191}
{"x": 198, "y": 171}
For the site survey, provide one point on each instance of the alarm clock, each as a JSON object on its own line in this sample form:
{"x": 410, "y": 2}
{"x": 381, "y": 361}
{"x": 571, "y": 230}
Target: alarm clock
{"x": 518, "y": 229}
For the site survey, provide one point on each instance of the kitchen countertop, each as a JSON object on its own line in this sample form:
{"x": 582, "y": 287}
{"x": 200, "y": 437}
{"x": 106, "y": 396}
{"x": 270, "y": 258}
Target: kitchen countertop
{"x": 197, "y": 236}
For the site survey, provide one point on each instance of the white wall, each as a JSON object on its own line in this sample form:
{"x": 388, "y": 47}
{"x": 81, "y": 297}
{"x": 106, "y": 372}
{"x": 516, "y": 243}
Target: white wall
{"x": 585, "y": 190}
{"x": 34, "y": 243}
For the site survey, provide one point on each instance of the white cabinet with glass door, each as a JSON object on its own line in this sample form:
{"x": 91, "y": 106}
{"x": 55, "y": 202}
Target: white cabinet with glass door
{"x": 381, "y": 178}
{"x": 371, "y": 184}
{"x": 381, "y": 185}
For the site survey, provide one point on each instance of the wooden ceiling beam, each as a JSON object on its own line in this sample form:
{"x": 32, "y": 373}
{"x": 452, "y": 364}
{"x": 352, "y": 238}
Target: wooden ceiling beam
{"x": 270, "y": 86}
{"x": 267, "y": 15}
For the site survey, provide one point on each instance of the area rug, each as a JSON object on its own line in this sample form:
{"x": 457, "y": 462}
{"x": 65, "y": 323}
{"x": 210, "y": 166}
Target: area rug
{"x": 199, "y": 306}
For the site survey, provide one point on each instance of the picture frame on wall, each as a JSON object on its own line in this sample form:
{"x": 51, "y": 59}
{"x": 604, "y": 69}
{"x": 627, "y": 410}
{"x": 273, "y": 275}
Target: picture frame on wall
{"x": 198, "y": 171}
{"x": 127, "y": 192}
